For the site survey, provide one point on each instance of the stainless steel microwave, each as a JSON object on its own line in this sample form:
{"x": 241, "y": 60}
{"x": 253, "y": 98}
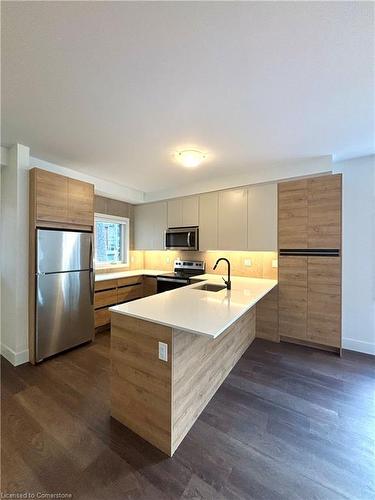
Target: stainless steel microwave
{"x": 182, "y": 238}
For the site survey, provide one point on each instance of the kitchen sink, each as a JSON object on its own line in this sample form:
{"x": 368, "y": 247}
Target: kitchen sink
{"x": 210, "y": 287}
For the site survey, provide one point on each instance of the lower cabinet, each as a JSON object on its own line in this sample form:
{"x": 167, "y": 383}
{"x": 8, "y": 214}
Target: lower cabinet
{"x": 102, "y": 317}
{"x": 293, "y": 297}
{"x": 324, "y": 301}
{"x": 149, "y": 286}
{"x": 310, "y": 299}
{"x": 111, "y": 292}
{"x": 126, "y": 293}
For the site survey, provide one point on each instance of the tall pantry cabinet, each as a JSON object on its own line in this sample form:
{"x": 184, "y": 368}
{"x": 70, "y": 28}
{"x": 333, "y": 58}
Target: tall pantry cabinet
{"x": 309, "y": 240}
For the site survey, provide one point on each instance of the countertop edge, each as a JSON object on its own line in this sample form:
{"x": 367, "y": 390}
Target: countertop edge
{"x": 196, "y": 332}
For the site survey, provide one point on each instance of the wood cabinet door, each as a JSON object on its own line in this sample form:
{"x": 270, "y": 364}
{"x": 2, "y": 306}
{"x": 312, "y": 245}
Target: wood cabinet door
{"x": 149, "y": 285}
{"x": 51, "y": 196}
{"x": 175, "y": 213}
{"x": 102, "y": 317}
{"x": 293, "y": 297}
{"x": 324, "y": 301}
{"x": 324, "y": 212}
{"x": 232, "y": 220}
{"x": 105, "y": 298}
{"x": 262, "y": 218}
{"x": 80, "y": 202}
{"x": 293, "y": 214}
{"x": 208, "y": 221}
{"x": 190, "y": 211}
{"x": 126, "y": 293}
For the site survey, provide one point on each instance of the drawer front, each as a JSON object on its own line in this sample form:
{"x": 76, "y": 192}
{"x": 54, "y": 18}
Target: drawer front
{"x": 102, "y": 317}
{"x": 105, "y": 285}
{"x": 133, "y": 280}
{"x": 105, "y": 298}
{"x": 129, "y": 293}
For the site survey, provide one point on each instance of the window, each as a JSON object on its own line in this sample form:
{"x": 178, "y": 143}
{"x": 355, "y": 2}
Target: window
{"x": 111, "y": 240}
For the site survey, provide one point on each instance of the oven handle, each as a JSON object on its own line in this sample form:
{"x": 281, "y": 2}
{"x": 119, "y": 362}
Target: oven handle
{"x": 172, "y": 280}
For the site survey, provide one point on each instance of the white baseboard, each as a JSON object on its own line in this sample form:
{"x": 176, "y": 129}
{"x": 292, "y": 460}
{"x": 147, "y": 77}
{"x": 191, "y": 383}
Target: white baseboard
{"x": 359, "y": 346}
{"x": 15, "y": 358}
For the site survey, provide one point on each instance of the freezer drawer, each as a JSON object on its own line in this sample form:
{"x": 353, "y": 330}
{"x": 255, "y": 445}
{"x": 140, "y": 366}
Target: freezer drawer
{"x": 64, "y": 312}
{"x": 59, "y": 251}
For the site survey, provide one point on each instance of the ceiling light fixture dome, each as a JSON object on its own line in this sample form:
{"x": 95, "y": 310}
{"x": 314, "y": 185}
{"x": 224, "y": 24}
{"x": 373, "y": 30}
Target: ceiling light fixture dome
{"x": 190, "y": 158}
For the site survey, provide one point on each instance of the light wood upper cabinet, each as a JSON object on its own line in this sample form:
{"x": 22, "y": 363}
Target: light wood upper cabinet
{"x": 293, "y": 214}
{"x": 50, "y": 196}
{"x": 183, "y": 212}
{"x": 324, "y": 212}
{"x": 262, "y": 218}
{"x": 59, "y": 199}
{"x": 232, "y": 216}
{"x": 310, "y": 213}
{"x": 208, "y": 221}
{"x": 150, "y": 223}
{"x": 80, "y": 202}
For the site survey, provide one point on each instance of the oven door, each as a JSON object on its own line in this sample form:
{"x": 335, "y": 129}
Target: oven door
{"x": 165, "y": 284}
{"x": 184, "y": 238}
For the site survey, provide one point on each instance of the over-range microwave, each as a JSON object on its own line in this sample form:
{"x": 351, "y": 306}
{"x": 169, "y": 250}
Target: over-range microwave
{"x": 182, "y": 238}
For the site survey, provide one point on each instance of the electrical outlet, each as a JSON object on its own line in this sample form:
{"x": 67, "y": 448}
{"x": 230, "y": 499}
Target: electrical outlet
{"x": 167, "y": 260}
{"x": 163, "y": 351}
{"x": 132, "y": 258}
{"x": 274, "y": 263}
{"x": 248, "y": 262}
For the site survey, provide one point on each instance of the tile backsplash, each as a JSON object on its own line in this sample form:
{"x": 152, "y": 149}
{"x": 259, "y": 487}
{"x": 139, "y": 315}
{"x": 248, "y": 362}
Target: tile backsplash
{"x": 260, "y": 262}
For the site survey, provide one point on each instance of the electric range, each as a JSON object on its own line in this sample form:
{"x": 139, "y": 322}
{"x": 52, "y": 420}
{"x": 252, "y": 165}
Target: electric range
{"x": 184, "y": 270}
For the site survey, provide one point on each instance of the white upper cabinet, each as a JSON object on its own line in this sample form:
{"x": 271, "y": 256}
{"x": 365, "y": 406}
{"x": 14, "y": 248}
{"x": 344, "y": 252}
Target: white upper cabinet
{"x": 175, "y": 213}
{"x": 232, "y": 220}
{"x": 150, "y": 223}
{"x": 190, "y": 211}
{"x": 183, "y": 212}
{"x": 208, "y": 221}
{"x": 262, "y": 218}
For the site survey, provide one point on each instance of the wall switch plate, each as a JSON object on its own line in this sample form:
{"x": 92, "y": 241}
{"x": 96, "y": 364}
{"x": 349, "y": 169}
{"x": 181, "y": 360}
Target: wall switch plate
{"x": 163, "y": 351}
{"x": 132, "y": 258}
{"x": 274, "y": 263}
{"x": 248, "y": 262}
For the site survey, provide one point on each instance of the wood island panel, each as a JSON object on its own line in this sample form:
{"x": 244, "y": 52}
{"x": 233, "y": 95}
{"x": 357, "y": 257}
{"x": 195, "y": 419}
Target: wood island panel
{"x": 267, "y": 316}
{"x": 141, "y": 384}
{"x": 158, "y": 400}
{"x": 200, "y": 366}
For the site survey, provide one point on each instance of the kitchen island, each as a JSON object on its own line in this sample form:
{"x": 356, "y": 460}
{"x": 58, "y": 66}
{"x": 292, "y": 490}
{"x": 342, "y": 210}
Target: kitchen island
{"x": 171, "y": 352}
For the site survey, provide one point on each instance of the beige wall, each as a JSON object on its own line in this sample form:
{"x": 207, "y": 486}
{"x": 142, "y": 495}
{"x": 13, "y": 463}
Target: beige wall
{"x": 261, "y": 262}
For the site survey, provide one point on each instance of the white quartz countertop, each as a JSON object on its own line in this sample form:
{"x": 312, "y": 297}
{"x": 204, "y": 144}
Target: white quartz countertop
{"x": 199, "y": 311}
{"x": 127, "y": 274}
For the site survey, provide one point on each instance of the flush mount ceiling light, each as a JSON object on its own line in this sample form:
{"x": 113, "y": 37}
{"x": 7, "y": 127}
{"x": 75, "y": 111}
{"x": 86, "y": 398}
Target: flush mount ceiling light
{"x": 190, "y": 158}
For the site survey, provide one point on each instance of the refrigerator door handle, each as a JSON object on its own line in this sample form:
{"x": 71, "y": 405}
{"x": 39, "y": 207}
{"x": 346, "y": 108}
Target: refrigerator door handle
{"x": 92, "y": 287}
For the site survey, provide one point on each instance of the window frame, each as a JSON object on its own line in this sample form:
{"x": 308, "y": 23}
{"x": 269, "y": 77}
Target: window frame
{"x": 125, "y": 247}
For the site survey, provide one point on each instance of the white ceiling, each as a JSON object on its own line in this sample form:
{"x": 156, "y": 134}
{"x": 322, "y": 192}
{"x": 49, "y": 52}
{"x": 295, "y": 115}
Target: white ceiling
{"x": 111, "y": 89}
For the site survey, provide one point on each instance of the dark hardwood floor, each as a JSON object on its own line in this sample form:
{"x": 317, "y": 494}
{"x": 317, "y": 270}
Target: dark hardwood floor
{"x": 289, "y": 422}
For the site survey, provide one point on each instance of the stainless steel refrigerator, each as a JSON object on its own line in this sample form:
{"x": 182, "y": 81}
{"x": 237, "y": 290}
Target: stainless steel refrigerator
{"x": 64, "y": 291}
